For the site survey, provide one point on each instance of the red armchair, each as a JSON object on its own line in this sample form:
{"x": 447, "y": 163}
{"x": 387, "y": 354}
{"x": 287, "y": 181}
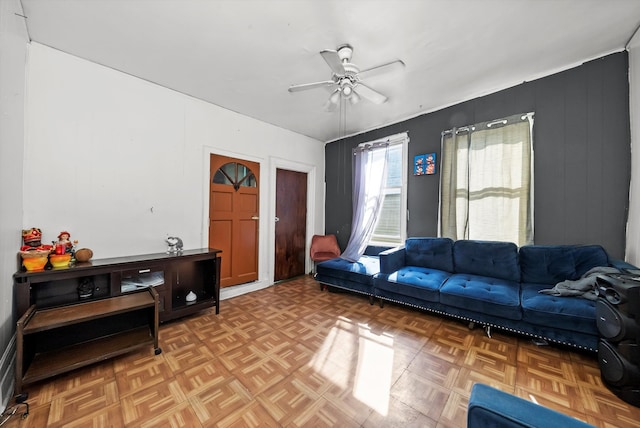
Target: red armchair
{"x": 324, "y": 247}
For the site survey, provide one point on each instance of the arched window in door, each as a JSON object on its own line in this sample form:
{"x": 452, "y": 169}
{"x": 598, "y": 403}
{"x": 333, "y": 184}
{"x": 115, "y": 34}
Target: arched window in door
{"x": 235, "y": 174}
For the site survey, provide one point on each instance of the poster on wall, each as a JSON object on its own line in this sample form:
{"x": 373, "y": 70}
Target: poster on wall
{"x": 424, "y": 164}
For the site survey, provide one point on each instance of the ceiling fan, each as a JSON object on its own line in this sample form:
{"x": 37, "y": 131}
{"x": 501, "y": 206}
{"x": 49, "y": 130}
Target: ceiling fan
{"x": 346, "y": 78}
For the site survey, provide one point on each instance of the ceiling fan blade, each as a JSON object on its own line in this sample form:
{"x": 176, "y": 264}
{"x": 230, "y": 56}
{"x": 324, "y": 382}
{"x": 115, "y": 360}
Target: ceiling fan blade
{"x": 382, "y": 68}
{"x": 333, "y": 60}
{"x": 333, "y": 101}
{"x": 305, "y": 86}
{"x": 373, "y": 96}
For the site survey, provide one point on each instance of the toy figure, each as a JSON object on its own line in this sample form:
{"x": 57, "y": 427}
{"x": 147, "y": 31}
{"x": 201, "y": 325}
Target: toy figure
{"x": 174, "y": 245}
{"x": 32, "y": 240}
{"x": 64, "y": 245}
{"x": 34, "y": 255}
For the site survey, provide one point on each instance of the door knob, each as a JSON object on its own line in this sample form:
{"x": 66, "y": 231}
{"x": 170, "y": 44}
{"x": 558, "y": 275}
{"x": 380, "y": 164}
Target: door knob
{"x": 277, "y": 219}
{"x": 255, "y": 217}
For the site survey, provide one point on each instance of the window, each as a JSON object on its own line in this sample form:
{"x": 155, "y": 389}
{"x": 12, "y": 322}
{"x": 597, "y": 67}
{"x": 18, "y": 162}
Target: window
{"x": 486, "y": 182}
{"x": 235, "y": 174}
{"x": 379, "y": 206}
{"x": 390, "y": 229}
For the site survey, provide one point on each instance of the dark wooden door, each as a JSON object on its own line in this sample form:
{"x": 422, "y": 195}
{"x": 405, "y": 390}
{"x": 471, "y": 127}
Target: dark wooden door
{"x": 291, "y": 224}
{"x": 233, "y": 217}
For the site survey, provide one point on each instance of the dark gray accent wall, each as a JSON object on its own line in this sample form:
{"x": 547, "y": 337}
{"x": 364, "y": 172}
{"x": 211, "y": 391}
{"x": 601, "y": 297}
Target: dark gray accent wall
{"x": 582, "y": 156}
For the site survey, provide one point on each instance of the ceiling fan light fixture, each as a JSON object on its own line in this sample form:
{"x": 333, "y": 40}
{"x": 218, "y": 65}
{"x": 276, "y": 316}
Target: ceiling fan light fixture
{"x": 335, "y": 97}
{"x": 354, "y": 98}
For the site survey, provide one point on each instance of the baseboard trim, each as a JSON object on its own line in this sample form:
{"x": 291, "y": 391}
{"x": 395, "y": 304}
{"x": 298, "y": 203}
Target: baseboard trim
{"x": 238, "y": 290}
{"x": 7, "y": 373}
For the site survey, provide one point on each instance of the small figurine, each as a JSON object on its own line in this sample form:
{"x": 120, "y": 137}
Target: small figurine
{"x": 33, "y": 252}
{"x": 174, "y": 245}
{"x": 32, "y": 240}
{"x": 74, "y": 247}
{"x": 31, "y": 237}
{"x": 63, "y": 245}
{"x": 63, "y": 239}
{"x": 86, "y": 288}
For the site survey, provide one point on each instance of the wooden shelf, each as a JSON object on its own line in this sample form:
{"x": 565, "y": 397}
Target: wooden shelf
{"x": 47, "y": 319}
{"x": 188, "y": 308}
{"x": 58, "y": 330}
{"x": 196, "y": 270}
{"x": 56, "y": 340}
{"x": 51, "y": 363}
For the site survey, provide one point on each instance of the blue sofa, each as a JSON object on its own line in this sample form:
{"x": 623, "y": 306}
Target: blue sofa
{"x": 351, "y": 276}
{"x": 490, "y": 407}
{"x": 495, "y": 284}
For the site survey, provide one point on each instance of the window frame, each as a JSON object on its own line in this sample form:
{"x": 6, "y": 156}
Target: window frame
{"x": 402, "y": 140}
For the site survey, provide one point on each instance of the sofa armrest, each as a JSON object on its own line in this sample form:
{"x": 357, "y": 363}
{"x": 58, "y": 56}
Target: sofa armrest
{"x": 392, "y": 260}
{"x": 374, "y": 250}
{"x": 622, "y": 265}
{"x": 490, "y": 407}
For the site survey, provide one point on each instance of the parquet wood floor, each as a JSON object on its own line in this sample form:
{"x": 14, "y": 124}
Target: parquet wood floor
{"x": 292, "y": 355}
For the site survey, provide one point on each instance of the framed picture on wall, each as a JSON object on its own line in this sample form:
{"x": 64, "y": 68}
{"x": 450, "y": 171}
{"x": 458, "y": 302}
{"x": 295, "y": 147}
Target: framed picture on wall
{"x": 424, "y": 164}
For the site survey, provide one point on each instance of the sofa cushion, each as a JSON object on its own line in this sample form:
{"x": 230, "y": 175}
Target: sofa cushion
{"x": 419, "y": 282}
{"x": 495, "y": 296}
{"x": 569, "y": 313}
{"x": 550, "y": 264}
{"x": 487, "y": 258}
{"x": 360, "y": 271}
{"x": 433, "y": 253}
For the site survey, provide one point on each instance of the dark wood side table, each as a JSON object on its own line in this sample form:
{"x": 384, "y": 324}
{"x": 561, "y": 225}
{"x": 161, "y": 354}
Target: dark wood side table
{"x": 74, "y": 316}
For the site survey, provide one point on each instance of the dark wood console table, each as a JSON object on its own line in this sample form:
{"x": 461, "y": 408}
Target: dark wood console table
{"x": 74, "y": 316}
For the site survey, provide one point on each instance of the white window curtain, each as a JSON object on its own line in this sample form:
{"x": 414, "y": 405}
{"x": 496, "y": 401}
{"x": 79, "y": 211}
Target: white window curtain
{"x": 370, "y": 174}
{"x": 486, "y": 187}
{"x": 391, "y": 227}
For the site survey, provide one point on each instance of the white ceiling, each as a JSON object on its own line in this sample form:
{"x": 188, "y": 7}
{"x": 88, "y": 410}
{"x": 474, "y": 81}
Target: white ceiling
{"x": 243, "y": 54}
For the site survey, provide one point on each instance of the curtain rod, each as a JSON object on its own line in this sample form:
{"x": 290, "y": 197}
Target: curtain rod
{"x": 489, "y": 124}
{"x": 391, "y": 139}
{"x": 459, "y": 130}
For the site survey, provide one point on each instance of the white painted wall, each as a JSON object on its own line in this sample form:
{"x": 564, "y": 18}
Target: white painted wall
{"x": 632, "y": 253}
{"x": 122, "y": 163}
{"x": 13, "y": 54}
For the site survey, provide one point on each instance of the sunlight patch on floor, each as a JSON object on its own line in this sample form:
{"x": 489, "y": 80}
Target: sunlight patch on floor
{"x": 365, "y": 359}
{"x": 372, "y": 383}
{"x": 338, "y": 343}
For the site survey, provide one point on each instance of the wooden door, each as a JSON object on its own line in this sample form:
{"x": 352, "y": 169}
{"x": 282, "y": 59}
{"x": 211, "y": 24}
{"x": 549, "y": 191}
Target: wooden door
{"x": 291, "y": 224}
{"x": 233, "y": 217}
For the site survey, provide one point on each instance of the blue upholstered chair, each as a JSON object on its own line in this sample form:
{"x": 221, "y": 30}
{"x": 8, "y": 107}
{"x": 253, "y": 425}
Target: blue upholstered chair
{"x": 491, "y": 408}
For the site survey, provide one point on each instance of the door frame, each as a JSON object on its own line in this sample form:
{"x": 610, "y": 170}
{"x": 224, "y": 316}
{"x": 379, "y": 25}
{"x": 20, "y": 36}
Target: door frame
{"x": 267, "y": 224}
{"x": 276, "y": 163}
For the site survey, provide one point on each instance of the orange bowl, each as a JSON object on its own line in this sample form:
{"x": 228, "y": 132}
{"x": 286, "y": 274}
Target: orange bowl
{"x": 59, "y": 260}
{"x": 32, "y": 260}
